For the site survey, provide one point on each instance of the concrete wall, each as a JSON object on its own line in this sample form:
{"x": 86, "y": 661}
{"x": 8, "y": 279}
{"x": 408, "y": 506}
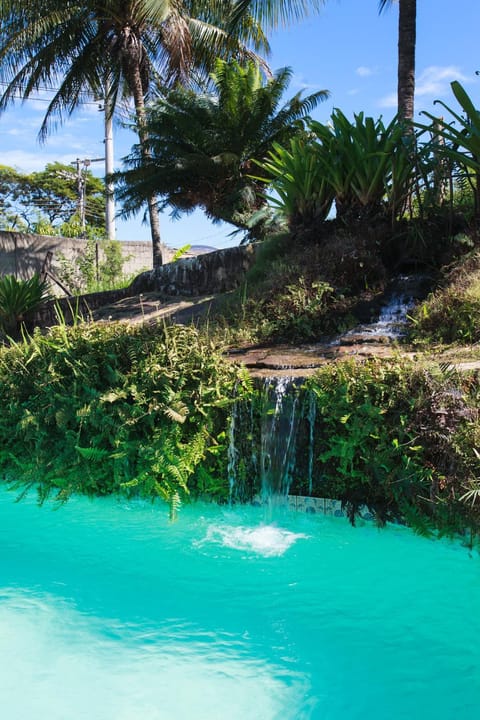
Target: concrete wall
{"x": 23, "y": 254}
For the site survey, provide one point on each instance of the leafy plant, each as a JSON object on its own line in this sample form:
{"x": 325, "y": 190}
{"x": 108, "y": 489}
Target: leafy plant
{"x": 99, "y": 409}
{"x": 301, "y": 191}
{"x": 98, "y": 267}
{"x": 368, "y": 164}
{"x": 463, "y": 140}
{"x": 202, "y": 146}
{"x": 18, "y": 300}
{"x": 451, "y": 314}
{"x": 367, "y": 167}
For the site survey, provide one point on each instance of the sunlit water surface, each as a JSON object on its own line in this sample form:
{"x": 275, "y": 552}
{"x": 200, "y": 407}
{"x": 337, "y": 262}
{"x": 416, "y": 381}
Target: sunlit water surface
{"x": 109, "y": 612}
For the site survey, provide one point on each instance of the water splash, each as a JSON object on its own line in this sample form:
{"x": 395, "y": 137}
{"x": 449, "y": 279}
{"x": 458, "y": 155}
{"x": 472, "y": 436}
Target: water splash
{"x": 265, "y": 540}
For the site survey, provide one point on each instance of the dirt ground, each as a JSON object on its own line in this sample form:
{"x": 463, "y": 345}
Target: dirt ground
{"x": 268, "y": 360}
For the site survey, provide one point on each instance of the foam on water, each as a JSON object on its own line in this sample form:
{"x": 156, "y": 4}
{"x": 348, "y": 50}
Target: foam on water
{"x": 266, "y": 540}
{"x": 59, "y": 664}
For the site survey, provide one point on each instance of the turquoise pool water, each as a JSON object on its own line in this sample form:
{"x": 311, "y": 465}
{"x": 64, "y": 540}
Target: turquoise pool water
{"x": 109, "y": 612}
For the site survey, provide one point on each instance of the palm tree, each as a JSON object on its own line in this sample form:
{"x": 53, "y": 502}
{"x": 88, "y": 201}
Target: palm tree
{"x": 75, "y": 48}
{"x": 407, "y": 30}
{"x": 203, "y": 147}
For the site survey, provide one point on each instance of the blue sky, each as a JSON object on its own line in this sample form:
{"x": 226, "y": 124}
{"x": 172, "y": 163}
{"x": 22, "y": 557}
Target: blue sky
{"x": 348, "y": 49}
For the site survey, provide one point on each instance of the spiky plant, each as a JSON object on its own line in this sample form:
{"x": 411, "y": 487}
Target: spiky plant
{"x": 18, "y": 300}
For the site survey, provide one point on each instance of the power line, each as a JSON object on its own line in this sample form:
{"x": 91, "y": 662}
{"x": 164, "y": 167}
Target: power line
{"x": 50, "y": 90}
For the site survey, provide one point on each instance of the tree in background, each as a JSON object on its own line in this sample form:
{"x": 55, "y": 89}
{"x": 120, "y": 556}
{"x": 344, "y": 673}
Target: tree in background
{"x": 45, "y": 201}
{"x": 79, "y": 49}
{"x": 202, "y": 147}
{"x": 407, "y": 31}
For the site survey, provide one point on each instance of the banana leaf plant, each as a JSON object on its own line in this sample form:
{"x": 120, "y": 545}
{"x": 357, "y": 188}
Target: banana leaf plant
{"x": 463, "y": 141}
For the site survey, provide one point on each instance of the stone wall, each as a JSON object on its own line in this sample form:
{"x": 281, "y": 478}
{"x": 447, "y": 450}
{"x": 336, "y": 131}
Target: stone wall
{"x": 206, "y": 274}
{"x": 23, "y": 254}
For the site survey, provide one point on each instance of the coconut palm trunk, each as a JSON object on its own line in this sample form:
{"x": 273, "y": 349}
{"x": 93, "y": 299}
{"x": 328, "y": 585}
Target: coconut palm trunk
{"x": 153, "y": 212}
{"x": 407, "y": 35}
{"x": 131, "y": 53}
{"x": 407, "y": 31}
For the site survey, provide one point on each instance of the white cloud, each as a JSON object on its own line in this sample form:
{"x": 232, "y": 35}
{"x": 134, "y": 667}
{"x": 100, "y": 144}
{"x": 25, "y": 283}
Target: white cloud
{"x": 388, "y": 101}
{"x": 32, "y": 161}
{"x": 435, "y": 80}
{"x": 364, "y": 71}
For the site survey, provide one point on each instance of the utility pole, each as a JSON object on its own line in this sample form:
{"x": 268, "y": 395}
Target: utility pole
{"x": 82, "y": 167}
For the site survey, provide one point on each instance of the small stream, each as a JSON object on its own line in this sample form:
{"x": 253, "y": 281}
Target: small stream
{"x": 398, "y": 300}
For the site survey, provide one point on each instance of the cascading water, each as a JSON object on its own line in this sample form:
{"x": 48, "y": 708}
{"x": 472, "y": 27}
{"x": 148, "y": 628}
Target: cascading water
{"x": 232, "y": 452}
{"x": 278, "y": 437}
{"x": 311, "y": 417}
{"x": 271, "y": 442}
{"x": 393, "y": 315}
{"x": 241, "y": 451}
{"x": 399, "y": 298}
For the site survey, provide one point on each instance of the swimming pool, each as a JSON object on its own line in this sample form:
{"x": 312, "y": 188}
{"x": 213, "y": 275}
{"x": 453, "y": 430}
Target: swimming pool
{"x": 109, "y": 612}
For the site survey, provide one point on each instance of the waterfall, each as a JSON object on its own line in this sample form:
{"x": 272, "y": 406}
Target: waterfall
{"x": 241, "y": 450}
{"x": 277, "y": 437}
{"x": 311, "y": 417}
{"x": 270, "y": 441}
{"x": 398, "y": 299}
{"x": 393, "y": 315}
{"x": 232, "y": 452}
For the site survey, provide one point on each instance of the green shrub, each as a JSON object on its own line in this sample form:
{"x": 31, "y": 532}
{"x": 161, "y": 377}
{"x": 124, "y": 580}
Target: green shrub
{"x": 301, "y": 191}
{"x": 98, "y": 409}
{"x": 18, "y": 301}
{"x": 98, "y": 267}
{"x": 401, "y": 439}
{"x": 451, "y": 314}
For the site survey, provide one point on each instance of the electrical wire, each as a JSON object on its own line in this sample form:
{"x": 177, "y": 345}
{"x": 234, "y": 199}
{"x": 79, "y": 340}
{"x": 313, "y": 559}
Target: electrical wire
{"x": 50, "y": 90}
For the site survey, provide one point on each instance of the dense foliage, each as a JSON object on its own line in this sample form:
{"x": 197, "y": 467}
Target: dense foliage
{"x": 401, "y": 439}
{"x": 398, "y": 437}
{"x": 201, "y": 146}
{"x": 451, "y": 314}
{"x": 459, "y": 145}
{"x": 365, "y": 166}
{"x": 98, "y": 409}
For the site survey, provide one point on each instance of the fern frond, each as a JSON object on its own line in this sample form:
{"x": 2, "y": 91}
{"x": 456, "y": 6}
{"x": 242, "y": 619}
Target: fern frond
{"x": 92, "y": 453}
